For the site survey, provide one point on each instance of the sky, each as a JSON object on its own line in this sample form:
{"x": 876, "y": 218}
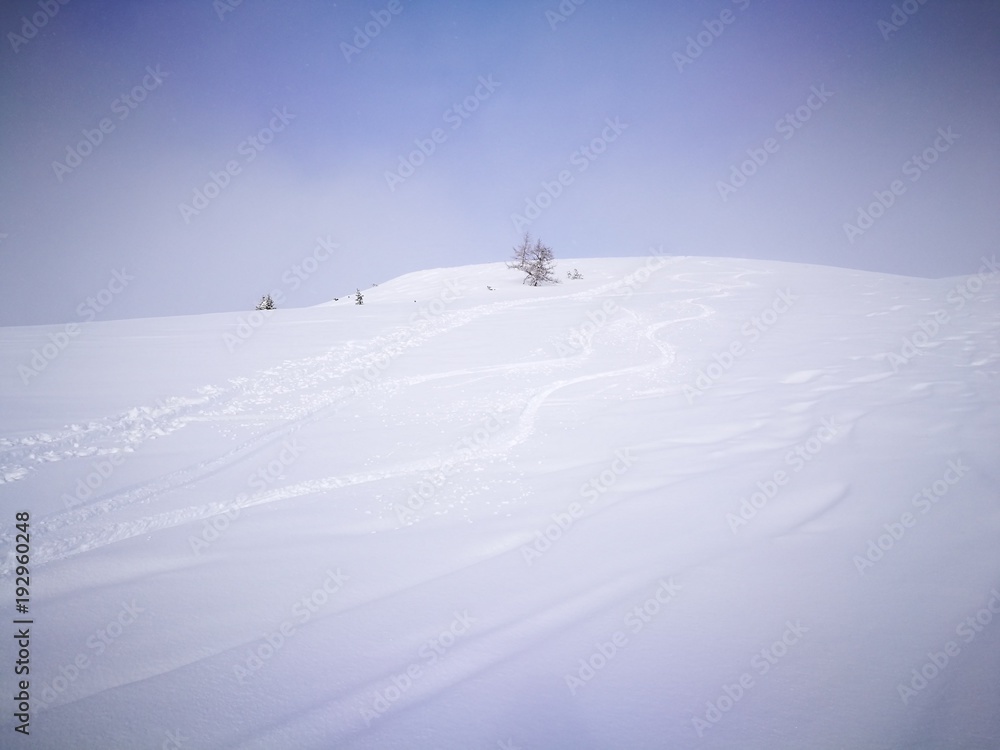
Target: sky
{"x": 169, "y": 158}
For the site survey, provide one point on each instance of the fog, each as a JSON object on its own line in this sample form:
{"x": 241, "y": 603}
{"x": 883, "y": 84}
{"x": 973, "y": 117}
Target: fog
{"x": 202, "y": 150}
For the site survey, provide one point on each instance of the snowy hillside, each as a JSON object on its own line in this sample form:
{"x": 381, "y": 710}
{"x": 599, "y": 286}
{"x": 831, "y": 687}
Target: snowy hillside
{"x": 678, "y": 503}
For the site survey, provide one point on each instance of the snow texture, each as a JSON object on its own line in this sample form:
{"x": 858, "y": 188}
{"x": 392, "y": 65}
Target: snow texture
{"x": 677, "y": 503}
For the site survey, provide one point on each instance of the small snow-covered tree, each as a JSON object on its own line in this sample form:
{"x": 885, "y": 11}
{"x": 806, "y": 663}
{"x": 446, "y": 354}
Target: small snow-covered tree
{"x": 359, "y": 298}
{"x": 574, "y": 274}
{"x": 536, "y": 260}
{"x": 541, "y": 265}
{"x": 266, "y": 303}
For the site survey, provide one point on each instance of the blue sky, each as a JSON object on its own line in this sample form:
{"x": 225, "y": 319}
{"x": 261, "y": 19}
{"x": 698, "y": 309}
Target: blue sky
{"x": 755, "y": 128}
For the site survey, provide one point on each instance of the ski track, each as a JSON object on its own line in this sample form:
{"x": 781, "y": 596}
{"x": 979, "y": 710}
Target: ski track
{"x": 290, "y": 379}
{"x": 125, "y": 431}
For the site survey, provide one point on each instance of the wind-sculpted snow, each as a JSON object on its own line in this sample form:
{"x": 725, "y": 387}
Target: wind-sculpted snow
{"x": 676, "y": 503}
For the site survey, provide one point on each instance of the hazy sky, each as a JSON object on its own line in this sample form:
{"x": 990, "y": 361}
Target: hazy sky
{"x": 747, "y": 128}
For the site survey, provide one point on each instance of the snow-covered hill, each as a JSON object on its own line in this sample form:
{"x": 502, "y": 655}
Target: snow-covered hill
{"x": 678, "y": 503}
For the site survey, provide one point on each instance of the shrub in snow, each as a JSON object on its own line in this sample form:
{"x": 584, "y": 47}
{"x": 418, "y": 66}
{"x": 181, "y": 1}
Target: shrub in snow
{"x": 574, "y": 274}
{"x": 359, "y": 298}
{"x": 266, "y": 303}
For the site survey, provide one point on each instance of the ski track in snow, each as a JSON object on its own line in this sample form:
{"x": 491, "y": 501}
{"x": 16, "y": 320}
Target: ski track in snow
{"x": 303, "y": 391}
{"x": 298, "y": 392}
{"x": 249, "y": 396}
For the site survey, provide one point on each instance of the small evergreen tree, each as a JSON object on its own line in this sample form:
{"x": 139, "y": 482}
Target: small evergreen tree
{"x": 359, "y": 298}
{"x": 266, "y": 303}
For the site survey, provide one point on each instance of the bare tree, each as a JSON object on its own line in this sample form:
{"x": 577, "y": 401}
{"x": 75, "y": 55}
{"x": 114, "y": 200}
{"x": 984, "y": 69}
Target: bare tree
{"x": 535, "y": 260}
{"x": 520, "y": 260}
{"x": 541, "y": 265}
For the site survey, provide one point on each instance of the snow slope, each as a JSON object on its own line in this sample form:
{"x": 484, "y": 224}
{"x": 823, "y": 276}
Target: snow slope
{"x": 680, "y": 503}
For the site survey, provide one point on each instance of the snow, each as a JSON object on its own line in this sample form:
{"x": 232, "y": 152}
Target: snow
{"x": 680, "y": 502}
